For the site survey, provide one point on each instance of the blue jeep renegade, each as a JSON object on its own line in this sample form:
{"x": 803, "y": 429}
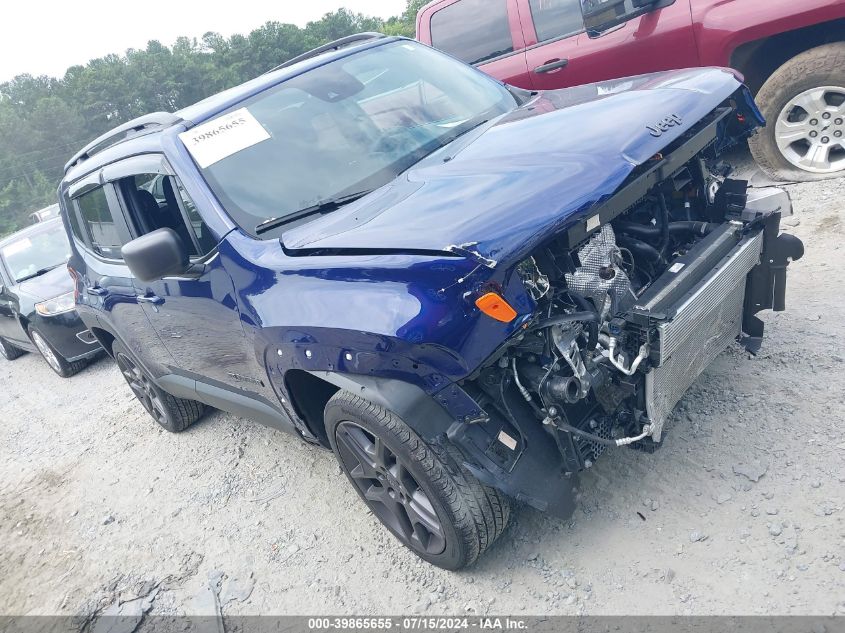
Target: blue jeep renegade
{"x": 467, "y": 291}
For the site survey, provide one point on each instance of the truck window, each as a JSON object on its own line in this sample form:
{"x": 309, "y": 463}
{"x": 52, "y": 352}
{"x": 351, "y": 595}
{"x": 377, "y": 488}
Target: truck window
{"x": 157, "y": 201}
{"x": 473, "y": 30}
{"x": 556, "y": 18}
{"x": 98, "y": 221}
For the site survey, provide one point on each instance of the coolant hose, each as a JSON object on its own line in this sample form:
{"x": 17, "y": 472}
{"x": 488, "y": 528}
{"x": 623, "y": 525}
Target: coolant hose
{"x": 592, "y": 325}
{"x": 638, "y": 247}
{"x": 675, "y": 228}
{"x": 584, "y": 317}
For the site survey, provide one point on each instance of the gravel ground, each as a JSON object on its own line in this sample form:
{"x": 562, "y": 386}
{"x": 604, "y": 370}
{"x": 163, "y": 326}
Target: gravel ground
{"x": 741, "y": 512}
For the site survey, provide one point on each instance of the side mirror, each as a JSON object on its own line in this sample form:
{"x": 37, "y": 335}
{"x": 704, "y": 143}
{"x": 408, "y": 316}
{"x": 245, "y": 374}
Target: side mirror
{"x": 602, "y": 15}
{"x": 155, "y": 255}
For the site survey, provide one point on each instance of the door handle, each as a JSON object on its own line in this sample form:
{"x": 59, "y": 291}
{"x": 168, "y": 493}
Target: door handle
{"x": 96, "y": 291}
{"x": 151, "y": 299}
{"x": 552, "y": 65}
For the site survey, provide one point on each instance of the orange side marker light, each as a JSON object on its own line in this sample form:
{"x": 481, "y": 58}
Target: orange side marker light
{"x": 496, "y": 307}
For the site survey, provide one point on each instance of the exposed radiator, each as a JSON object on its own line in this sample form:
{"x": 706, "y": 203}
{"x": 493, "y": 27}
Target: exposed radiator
{"x": 708, "y": 319}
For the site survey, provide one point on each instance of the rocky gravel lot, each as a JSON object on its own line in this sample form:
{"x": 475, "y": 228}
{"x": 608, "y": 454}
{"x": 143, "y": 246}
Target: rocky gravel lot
{"x": 741, "y": 512}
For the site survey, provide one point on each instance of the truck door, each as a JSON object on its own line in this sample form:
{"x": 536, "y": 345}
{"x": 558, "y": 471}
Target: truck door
{"x": 560, "y": 53}
{"x": 107, "y": 290}
{"x": 195, "y": 314}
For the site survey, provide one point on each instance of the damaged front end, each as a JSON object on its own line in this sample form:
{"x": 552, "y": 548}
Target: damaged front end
{"x": 632, "y": 303}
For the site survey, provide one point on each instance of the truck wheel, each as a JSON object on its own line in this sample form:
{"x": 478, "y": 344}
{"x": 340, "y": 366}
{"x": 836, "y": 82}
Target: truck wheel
{"x": 55, "y": 360}
{"x": 419, "y": 491}
{"x": 174, "y": 414}
{"x": 804, "y": 106}
{"x": 9, "y": 352}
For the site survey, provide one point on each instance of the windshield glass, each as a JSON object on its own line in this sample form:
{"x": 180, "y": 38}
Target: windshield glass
{"x": 348, "y": 127}
{"x": 40, "y": 251}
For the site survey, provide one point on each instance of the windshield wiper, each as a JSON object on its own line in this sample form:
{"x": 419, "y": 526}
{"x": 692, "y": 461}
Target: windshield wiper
{"x": 37, "y": 273}
{"x": 326, "y": 206}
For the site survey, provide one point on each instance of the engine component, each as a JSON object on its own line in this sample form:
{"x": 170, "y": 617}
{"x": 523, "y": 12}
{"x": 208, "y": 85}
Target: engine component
{"x": 601, "y": 276}
{"x": 536, "y": 283}
{"x": 567, "y": 344}
{"x": 704, "y": 324}
{"x": 619, "y": 361}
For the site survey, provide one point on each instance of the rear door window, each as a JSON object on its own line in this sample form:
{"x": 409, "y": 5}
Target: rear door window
{"x": 556, "y": 18}
{"x": 100, "y": 224}
{"x": 474, "y": 31}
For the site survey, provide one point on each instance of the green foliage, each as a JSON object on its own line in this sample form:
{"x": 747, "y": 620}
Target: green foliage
{"x": 43, "y": 120}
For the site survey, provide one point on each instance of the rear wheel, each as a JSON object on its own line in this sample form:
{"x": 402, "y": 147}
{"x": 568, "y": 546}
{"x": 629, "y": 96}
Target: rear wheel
{"x": 56, "y": 361}
{"x": 9, "y": 351}
{"x": 419, "y": 491}
{"x": 174, "y": 414}
{"x": 804, "y": 106}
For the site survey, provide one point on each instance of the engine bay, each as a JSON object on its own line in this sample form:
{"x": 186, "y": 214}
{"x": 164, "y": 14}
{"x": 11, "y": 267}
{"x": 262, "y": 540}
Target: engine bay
{"x": 629, "y": 317}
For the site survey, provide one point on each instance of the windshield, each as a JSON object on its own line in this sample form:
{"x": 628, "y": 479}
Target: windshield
{"x": 36, "y": 252}
{"x": 345, "y": 128}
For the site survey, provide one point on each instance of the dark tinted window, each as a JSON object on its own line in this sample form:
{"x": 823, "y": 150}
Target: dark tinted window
{"x": 99, "y": 223}
{"x": 156, "y": 201}
{"x": 556, "y": 18}
{"x": 73, "y": 219}
{"x": 473, "y": 30}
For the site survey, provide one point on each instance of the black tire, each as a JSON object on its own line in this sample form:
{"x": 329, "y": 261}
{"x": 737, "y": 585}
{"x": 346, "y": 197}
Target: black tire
{"x": 414, "y": 478}
{"x": 9, "y": 351}
{"x": 54, "y": 360}
{"x": 172, "y": 413}
{"x": 819, "y": 67}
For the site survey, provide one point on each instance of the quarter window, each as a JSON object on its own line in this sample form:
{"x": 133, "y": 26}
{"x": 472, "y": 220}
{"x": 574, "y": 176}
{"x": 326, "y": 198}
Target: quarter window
{"x": 99, "y": 223}
{"x": 556, "y": 18}
{"x": 473, "y": 30}
{"x": 73, "y": 219}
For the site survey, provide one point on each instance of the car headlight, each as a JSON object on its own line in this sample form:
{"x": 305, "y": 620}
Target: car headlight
{"x": 58, "y": 305}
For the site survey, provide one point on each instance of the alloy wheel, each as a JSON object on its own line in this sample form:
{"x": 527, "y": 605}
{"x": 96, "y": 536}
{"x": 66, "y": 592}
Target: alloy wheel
{"x": 391, "y": 491}
{"x": 143, "y": 388}
{"x": 810, "y": 131}
{"x": 47, "y": 352}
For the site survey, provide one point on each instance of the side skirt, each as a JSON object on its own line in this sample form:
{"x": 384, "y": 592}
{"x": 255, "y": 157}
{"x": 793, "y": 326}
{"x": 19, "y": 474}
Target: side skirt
{"x": 227, "y": 400}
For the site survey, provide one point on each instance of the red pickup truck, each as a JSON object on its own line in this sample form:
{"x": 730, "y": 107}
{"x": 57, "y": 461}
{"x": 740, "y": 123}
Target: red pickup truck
{"x": 791, "y": 52}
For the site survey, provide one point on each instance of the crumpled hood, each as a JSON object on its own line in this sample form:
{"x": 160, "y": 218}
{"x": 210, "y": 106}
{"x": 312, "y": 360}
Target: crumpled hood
{"x": 49, "y": 285}
{"x": 534, "y": 172}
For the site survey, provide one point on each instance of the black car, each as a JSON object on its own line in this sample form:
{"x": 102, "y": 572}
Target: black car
{"x": 37, "y": 311}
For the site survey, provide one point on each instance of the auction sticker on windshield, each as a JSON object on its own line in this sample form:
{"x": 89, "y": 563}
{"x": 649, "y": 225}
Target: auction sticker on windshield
{"x": 224, "y": 136}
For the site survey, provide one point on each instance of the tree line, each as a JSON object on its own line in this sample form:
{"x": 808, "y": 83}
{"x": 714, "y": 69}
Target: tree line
{"x": 44, "y": 120}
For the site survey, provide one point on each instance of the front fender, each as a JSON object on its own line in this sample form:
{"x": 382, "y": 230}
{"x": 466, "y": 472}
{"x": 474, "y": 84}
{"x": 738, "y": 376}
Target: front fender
{"x": 532, "y": 473}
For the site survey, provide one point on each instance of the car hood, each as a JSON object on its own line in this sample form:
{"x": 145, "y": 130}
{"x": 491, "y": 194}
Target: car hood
{"x": 507, "y": 186}
{"x": 47, "y": 286}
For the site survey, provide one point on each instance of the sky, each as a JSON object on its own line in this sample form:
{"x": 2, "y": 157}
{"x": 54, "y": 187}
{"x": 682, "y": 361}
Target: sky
{"x": 48, "y": 36}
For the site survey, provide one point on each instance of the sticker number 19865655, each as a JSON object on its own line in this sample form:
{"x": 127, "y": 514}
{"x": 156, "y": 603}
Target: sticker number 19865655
{"x": 224, "y": 136}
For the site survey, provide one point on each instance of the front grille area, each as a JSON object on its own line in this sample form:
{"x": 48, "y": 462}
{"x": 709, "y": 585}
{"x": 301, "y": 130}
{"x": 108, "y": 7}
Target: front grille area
{"x": 708, "y": 319}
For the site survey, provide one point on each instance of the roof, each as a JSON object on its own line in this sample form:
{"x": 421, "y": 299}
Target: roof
{"x": 144, "y": 135}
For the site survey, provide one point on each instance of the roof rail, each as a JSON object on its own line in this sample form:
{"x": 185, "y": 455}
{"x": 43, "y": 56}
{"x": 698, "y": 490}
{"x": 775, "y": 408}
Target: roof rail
{"x": 331, "y": 46}
{"x": 121, "y": 132}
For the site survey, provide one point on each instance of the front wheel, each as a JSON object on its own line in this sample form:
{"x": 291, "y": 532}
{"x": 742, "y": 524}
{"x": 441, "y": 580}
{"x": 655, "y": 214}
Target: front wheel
{"x": 56, "y": 361}
{"x": 804, "y": 106}
{"x": 419, "y": 491}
